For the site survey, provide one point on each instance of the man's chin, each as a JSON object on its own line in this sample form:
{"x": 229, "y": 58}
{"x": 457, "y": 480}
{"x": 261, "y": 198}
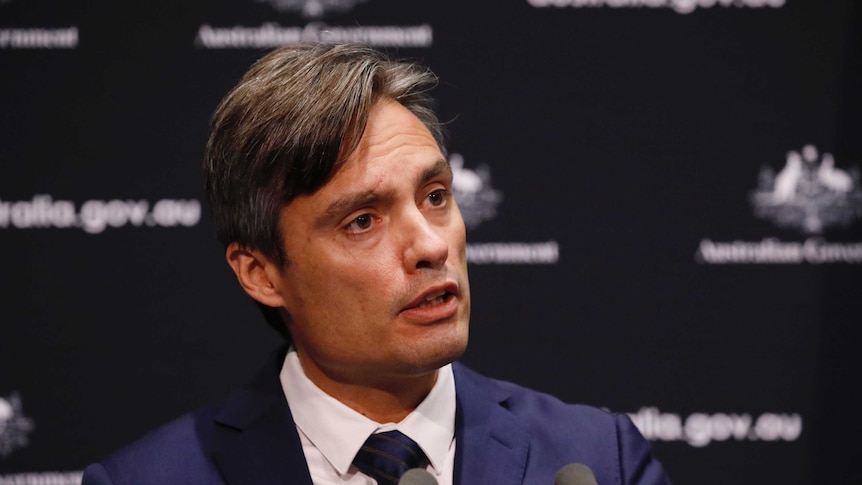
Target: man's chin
{"x": 433, "y": 357}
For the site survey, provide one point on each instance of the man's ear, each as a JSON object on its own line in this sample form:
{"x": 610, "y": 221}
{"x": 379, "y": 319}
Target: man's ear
{"x": 257, "y": 274}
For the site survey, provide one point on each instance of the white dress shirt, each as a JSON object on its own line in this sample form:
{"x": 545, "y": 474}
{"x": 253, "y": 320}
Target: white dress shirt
{"x": 332, "y": 433}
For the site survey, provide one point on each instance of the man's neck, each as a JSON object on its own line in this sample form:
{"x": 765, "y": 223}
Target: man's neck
{"x": 383, "y": 399}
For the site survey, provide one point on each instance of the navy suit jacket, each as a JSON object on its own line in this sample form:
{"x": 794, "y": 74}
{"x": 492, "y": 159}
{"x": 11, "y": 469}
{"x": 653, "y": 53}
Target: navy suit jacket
{"x": 505, "y": 435}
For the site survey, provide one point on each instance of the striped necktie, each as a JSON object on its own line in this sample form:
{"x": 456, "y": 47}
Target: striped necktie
{"x": 386, "y": 456}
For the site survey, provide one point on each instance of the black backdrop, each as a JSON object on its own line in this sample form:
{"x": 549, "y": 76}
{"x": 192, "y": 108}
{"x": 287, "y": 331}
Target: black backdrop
{"x": 664, "y": 201}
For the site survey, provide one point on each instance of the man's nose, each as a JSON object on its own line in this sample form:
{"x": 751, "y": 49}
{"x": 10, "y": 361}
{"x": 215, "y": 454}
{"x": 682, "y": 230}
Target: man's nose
{"x": 425, "y": 244}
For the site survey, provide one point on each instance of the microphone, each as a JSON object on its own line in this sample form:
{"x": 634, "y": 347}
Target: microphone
{"x": 575, "y": 474}
{"x": 417, "y": 476}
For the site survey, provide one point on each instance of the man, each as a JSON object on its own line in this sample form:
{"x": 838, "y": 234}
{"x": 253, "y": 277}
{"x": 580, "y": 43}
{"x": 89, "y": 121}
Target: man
{"x": 329, "y": 187}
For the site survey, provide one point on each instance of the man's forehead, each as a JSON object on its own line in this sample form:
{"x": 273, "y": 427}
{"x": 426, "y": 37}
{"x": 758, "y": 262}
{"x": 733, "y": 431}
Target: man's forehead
{"x": 395, "y": 143}
{"x": 415, "y": 170}
{"x": 384, "y": 181}
{"x": 391, "y": 127}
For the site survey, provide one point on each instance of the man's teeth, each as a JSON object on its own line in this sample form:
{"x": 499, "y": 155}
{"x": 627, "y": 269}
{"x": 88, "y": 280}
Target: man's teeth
{"x": 432, "y": 301}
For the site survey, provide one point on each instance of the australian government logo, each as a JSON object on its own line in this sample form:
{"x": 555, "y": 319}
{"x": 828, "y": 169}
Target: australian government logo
{"x": 678, "y": 6}
{"x": 478, "y": 201}
{"x": 33, "y": 38}
{"x": 14, "y": 426}
{"x": 809, "y": 194}
{"x": 312, "y": 28}
{"x": 313, "y": 8}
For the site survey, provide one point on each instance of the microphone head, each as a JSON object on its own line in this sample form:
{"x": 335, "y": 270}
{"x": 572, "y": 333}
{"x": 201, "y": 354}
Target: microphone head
{"x": 417, "y": 476}
{"x": 575, "y": 474}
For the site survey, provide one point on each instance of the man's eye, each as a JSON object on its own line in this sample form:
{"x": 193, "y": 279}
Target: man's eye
{"x": 361, "y": 223}
{"x": 438, "y": 197}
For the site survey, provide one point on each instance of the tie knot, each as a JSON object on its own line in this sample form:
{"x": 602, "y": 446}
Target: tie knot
{"x": 386, "y": 456}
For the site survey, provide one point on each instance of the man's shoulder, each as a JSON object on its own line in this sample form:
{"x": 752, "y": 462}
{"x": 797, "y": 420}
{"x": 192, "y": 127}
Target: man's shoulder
{"x": 557, "y": 433}
{"x": 169, "y": 452}
{"x": 187, "y": 449}
{"x": 522, "y": 400}
{"x": 549, "y": 421}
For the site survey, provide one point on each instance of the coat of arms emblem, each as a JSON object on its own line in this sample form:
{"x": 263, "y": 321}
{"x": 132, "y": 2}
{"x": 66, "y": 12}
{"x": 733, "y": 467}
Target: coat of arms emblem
{"x": 14, "y": 426}
{"x": 809, "y": 192}
{"x": 313, "y": 8}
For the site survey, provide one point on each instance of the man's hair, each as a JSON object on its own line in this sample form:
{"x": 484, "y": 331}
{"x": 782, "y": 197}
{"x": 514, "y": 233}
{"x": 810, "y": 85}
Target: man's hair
{"x": 289, "y": 125}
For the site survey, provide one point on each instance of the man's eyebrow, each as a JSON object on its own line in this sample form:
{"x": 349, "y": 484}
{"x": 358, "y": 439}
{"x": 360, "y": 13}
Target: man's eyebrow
{"x": 348, "y": 203}
{"x": 440, "y": 167}
{"x": 353, "y": 201}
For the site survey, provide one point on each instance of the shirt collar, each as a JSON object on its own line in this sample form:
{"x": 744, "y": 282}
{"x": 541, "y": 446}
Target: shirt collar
{"x": 338, "y": 431}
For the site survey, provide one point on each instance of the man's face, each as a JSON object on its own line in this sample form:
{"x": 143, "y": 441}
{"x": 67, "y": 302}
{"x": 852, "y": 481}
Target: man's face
{"x": 376, "y": 287}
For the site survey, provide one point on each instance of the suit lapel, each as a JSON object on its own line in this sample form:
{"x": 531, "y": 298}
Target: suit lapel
{"x": 256, "y": 442}
{"x": 491, "y": 445}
